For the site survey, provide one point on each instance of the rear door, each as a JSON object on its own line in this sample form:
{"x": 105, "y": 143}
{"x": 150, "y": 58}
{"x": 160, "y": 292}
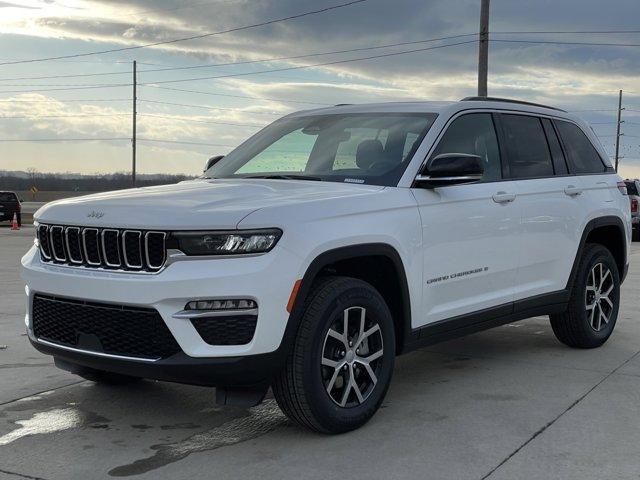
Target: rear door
{"x": 551, "y": 207}
{"x": 599, "y": 181}
{"x": 469, "y": 231}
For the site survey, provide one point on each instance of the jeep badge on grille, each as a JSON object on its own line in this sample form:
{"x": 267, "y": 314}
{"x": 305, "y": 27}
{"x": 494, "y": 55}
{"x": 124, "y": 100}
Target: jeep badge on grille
{"x": 95, "y": 214}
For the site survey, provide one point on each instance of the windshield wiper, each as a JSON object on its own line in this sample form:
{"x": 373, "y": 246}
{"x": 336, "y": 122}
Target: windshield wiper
{"x": 283, "y": 176}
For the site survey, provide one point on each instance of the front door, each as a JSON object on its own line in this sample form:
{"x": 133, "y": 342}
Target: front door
{"x": 470, "y": 233}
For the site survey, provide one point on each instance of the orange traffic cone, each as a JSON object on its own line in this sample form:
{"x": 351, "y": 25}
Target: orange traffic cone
{"x": 14, "y": 222}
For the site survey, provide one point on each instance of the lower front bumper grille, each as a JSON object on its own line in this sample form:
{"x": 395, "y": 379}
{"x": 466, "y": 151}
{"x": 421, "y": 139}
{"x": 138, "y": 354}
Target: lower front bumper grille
{"x": 102, "y": 328}
{"x": 226, "y": 330}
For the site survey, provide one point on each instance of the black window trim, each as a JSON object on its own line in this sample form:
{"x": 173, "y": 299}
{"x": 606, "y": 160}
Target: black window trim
{"x": 607, "y": 169}
{"x": 444, "y": 130}
{"x": 495, "y": 113}
{"x": 507, "y": 170}
{"x": 563, "y": 160}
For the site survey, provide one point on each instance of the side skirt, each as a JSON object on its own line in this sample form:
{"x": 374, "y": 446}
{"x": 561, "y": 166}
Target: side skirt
{"x": 443, "y": 330}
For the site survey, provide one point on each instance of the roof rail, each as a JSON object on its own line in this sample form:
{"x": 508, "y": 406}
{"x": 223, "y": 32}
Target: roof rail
{"x": 342, "y": 104}
{"x": 508, "y": 100}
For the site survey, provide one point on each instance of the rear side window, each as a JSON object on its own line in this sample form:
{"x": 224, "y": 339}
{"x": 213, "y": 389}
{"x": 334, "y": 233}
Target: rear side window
{"x": 527, "y": 147}
{"x": 632, "y": 189}
{"x": 8, "y": 197}
{"x": 474, "y": 134}
{"x": 581, "y": 154}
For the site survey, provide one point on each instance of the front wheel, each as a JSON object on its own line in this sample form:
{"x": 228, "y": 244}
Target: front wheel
{"x": 340, "y": 366}
{"x": 595, "y": 299}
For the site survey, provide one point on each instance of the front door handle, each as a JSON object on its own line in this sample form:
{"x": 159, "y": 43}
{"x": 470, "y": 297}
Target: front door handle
{"x": 504, "y": 197}
{"x": 572, "y": 191}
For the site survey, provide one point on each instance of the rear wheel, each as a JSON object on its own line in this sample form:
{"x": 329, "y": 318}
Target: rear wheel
{"x": 340, "y": 366}
{"x": 636, "y": 233}
{"x": 595, "y": 298}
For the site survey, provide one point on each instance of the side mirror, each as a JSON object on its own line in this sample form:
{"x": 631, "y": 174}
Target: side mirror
{"x": 451, "y": 169}
{"x": 212, "y": 161}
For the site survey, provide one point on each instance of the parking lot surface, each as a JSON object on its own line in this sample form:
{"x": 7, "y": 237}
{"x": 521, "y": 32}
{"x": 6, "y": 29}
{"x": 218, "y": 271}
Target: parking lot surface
{"x": 502, "y": 404}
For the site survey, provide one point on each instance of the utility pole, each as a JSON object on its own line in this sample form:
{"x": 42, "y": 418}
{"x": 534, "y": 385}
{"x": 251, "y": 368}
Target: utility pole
{"x": 133, "y": 137}
{"x": 618, "y": 134}
{"x": 483, "y": 49}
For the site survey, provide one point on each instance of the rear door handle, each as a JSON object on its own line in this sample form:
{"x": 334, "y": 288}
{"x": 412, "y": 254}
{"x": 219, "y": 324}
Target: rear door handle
{"x": 572, "y": 191}
{"x": 504, "y": 197}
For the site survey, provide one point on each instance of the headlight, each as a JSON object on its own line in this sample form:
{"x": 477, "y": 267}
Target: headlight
{"x": 227, "y": 243}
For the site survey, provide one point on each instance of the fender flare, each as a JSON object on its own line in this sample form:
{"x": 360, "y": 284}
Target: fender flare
{"x": 607, "y": 221}
{"x": 343, "y": 253}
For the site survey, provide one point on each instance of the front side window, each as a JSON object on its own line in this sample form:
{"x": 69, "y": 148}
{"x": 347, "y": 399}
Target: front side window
{"x": 473, "y": 134}
{"x": 356, "y": 148}
{"x": 581, "y": 154}
{"x": 527, "y": 147}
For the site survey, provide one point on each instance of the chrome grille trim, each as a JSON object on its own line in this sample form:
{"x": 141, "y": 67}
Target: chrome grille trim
{"x": 52, "y": 236}
{"x": 124, "y": 248}
{"x": 104, "y": 247}
{"x": 101, "y": 253}
{"x": 86, "y": 251}
{"x": 66, "y": 238}
{"x": 43, "y": 230}
{"x": 146, "y": 249}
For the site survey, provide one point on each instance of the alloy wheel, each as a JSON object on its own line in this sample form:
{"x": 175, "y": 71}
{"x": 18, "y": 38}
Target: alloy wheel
{"x": 352, "y": 356}
{"x": 600, "y": 285}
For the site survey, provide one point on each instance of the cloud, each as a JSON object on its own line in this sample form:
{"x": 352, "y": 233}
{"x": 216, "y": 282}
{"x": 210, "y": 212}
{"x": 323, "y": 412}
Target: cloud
{"x": 573, "y": 77}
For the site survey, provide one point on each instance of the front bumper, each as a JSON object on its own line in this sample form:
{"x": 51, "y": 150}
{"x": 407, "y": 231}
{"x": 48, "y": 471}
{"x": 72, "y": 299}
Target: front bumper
{"x": 267, "y": 279}
{"x": 244, "y": 371}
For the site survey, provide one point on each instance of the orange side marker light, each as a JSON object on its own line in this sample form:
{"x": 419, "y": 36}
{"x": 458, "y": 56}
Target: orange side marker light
{"x": 294, "y": 294}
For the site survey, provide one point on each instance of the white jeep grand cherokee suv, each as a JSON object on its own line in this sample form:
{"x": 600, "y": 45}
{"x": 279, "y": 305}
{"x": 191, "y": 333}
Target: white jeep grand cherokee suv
{"x": 330, "y": 242}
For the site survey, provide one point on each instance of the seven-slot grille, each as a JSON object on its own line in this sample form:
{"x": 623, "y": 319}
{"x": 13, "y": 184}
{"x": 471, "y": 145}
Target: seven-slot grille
{"x": 109, "y": 248}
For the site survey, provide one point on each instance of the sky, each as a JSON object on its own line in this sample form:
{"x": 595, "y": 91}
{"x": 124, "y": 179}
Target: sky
{"x": 179, "y": 130}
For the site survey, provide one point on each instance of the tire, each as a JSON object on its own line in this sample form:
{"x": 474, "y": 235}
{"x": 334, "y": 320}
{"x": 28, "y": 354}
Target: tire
{"x": 635, "y": 235}
{"x": 19, "y": 219}
{"x": 583, "y": 327}
{"x": 310, "y": 389}
{"x": 106, "y": 378}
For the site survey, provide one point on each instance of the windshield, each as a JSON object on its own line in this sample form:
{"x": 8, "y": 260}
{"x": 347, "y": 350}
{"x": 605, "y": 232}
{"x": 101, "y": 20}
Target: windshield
{"x": 631, "y": 188}
{"x": 8, "y": 197}
{"x": 356, "y": 148}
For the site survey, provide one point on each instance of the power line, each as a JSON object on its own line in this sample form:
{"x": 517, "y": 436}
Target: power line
{"x": 86, "y": 139}
{"x": 172, "y": 8}
{"x": 183, "y": 119}
{"x": 236, "y": 96}
{"x": 336, "y": 52}
{"x": 186, "y": 142}
{"x": 71, "y": 100}
{"x": 248, "y": 62}
{"x": 35, "y": 117}
{"x": 87, "y": 87}
{"x": 206, "y": 107}
{"x": 554, "y": 42}
{"x": 192, "y": 37}
{"x": 301, "y": 67}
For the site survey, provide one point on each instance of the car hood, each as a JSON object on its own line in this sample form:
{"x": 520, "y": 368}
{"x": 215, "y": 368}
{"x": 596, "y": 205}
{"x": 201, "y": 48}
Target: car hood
{"x": 197, "y": 204}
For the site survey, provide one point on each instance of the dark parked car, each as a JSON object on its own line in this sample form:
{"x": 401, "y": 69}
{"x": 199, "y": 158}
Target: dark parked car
{"x": 10, "y": 203}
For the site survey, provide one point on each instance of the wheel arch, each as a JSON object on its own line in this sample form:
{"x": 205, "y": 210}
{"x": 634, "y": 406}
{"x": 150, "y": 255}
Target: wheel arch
{"x": 608, "y": 231}
{"x": 357, "y": 261}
